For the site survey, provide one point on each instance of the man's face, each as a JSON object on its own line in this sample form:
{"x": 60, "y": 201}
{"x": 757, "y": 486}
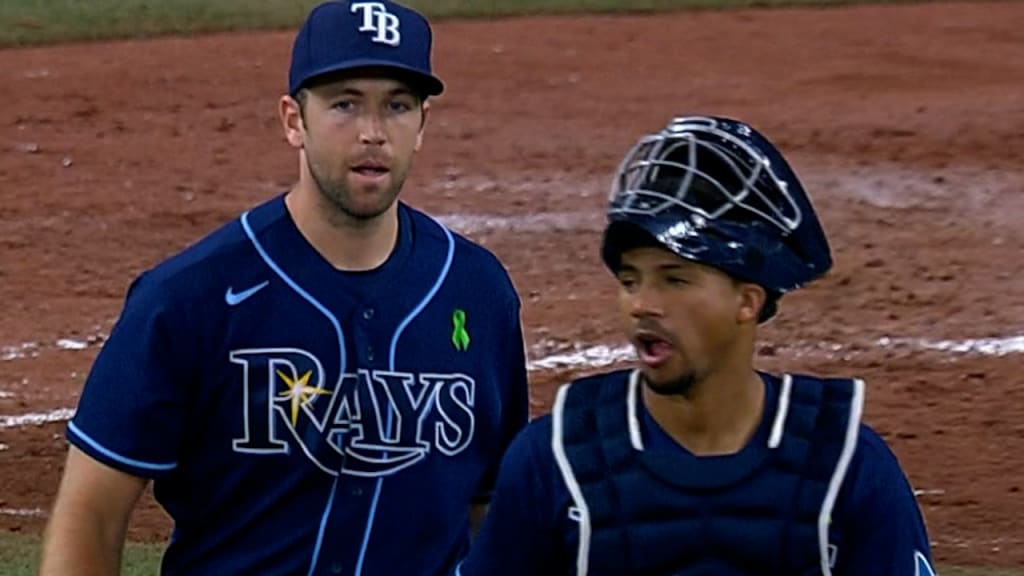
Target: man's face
{"x": 682, "y": 317}
{"x": 359, "y": 136}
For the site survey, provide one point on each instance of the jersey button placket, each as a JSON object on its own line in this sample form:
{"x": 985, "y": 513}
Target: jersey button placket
{"x": 367, "y": 315}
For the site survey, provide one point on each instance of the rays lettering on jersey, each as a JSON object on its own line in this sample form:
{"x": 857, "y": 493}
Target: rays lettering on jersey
{"x": 371, "y": 423}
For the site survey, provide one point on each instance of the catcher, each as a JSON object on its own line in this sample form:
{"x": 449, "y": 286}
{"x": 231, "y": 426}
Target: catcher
{"x": 695, "y": 463}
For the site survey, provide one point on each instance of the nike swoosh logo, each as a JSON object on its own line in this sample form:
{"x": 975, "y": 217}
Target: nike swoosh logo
{"x": 235, "y": 298}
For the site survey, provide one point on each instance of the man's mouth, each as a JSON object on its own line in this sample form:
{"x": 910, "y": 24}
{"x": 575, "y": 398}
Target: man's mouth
{"x": 652, "y": 349}
{"x": 370, "y": 170}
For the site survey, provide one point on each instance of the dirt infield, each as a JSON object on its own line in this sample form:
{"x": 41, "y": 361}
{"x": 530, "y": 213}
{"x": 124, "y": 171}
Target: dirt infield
{"x": 906, "y": 123}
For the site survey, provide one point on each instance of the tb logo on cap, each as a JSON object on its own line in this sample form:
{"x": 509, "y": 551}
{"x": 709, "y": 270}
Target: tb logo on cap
{"x": 378, "y": 20}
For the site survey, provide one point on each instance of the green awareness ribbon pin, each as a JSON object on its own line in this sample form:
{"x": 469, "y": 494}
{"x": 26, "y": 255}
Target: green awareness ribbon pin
{"x": 460, "y": 337}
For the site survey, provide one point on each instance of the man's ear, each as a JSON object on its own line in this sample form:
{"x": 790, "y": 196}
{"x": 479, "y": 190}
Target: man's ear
{"x": 752, "y": 298}
{"x": 290, "y": 113}
{"x": 423, "y": 124}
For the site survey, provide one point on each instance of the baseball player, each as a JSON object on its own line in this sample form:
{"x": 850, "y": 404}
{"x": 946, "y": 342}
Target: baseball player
{"x": 324, "y": 385}
{"x": 695, "y": 463}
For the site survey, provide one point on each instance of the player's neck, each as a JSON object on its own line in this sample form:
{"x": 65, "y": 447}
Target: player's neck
{"x": 346, "y": 243}
{"x": 718, "y": 416}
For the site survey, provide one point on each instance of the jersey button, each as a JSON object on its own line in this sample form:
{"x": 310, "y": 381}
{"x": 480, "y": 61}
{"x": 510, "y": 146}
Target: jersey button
{"x": 336, "y": 568}
{"x": 369, "y": 353}
{"x": 367, "y": 313}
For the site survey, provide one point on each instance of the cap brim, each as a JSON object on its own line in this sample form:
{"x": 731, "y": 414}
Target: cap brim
{"x": 427, "y": 84}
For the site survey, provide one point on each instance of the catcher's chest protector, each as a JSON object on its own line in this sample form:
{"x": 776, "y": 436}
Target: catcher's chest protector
{"x": 763, "y": 511}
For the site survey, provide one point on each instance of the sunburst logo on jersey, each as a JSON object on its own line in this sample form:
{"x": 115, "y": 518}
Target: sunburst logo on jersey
{"x": 299, "y": 392}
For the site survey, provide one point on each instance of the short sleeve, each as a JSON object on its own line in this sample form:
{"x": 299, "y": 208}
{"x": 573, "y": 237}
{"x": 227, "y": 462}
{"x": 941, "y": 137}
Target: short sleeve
{"x": 880, "y": 527}
{"x": 131, "y": 411}
{"x": 520, "y": 533}
{"x": 515, "y": 394}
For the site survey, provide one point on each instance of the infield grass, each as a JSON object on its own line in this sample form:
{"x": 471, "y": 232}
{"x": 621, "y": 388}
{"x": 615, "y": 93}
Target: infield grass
{"x": 24, "y": 22}
{"x": 19, "y": 556}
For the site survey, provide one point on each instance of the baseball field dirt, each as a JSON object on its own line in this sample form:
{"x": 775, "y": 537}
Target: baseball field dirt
{"x": 906, "y": 124}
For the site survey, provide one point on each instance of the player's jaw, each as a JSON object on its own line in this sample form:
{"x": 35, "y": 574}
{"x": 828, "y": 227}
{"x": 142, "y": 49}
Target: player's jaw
{"x": 679, "y": 385}
{"x": 360, "y": 189}
{"x": 670, "y": 375}
{"x": 374, "y": 187}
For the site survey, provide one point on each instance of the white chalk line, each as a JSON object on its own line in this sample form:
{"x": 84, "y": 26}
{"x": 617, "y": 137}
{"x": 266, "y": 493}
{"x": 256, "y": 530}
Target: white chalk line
{"x": 603, "y": 356}
{"x": 992, "y": 544}
{"x": 24, "y": 512}
{"x": 34, "y": 349}
{"x": 36, "y": 418}
{"x": 983, "y": 346}
{"x": 23, "y": 350}
{"x": 599, "y": 356}
{"x": 532, "y": 223}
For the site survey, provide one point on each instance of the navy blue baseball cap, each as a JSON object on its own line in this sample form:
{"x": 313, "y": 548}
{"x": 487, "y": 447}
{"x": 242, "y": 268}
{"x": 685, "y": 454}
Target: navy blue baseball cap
{"x": 348, "y": 35}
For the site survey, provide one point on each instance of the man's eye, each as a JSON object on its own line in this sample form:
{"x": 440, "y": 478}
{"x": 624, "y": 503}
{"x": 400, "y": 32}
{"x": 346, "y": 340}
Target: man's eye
{"x": 400, "y": 107}
{"x": 344, "y": 105}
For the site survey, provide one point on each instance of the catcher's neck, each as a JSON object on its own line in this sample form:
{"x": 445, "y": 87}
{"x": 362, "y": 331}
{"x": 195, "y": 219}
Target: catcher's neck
{"x": 717, "y": 417}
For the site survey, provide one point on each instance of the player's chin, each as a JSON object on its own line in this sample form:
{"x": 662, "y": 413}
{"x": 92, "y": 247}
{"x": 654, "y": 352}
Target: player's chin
{"x": 369, "y": 188}
{"x": 668, "y": 380}
{"x": 370, "y": 203}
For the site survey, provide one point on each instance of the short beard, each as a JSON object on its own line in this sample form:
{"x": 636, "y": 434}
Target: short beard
{"x": 335, "y": 197}
{"x": 681, "y": 386}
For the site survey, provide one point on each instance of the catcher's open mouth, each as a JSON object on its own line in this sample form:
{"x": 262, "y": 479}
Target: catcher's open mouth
{"x": 651, "y": 348}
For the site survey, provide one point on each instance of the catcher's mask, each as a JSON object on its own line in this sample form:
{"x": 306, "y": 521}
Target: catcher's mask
{"x": 715, "y": 191}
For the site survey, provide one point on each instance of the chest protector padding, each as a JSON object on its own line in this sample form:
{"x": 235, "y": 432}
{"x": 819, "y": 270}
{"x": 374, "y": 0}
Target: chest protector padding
{"x": 669, "y": 513}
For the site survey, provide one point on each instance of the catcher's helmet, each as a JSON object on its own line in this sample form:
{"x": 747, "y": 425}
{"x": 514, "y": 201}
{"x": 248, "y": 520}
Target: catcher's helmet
{"x": 715, "y": 191}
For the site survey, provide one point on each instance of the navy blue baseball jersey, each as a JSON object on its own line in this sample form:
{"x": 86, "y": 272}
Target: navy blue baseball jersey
{"x": 297, "y": 419}
{"x": 873, "y": 527}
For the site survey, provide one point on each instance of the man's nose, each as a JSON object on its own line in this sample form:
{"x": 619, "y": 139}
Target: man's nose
{"x": 645, "y": 302}
{"x": 371, "y": 130}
